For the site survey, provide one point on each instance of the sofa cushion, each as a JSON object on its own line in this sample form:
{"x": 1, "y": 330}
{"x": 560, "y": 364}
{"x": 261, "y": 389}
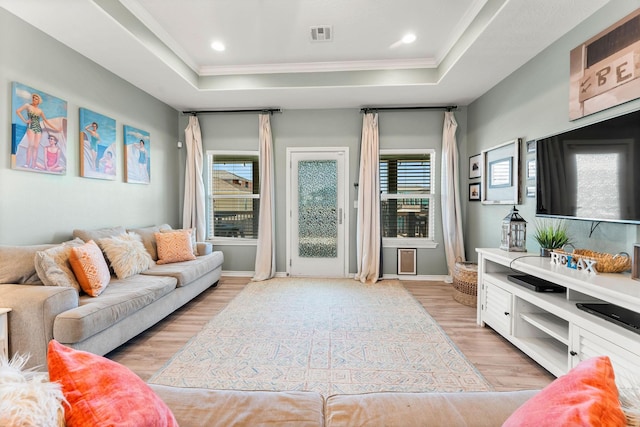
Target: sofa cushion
{"x": 90, "y": 268}
{"x": 101, "y": 392}
{"x": 472, "y": 409}
{"x": 119, "y": 300}
{"x": 53, "y": 266}
{"x": 195, "y": 407}
{"x": 126, "y": 254}
{"x": 17, "y": 264}
{"x": 586, "y": 396}
{"x": 174, "y": 246}
{"x": 187, "y": 271}
{"x": 98, "y": 234}
{"x": 149, "y": 238}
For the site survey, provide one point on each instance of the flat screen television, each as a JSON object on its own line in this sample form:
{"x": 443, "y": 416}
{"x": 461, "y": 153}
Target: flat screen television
{"x": 591, "y": 173}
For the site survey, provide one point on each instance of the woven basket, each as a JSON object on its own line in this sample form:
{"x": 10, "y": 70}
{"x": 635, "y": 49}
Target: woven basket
{"x": 465, "y": 283}
{"x": 607, "y": 263}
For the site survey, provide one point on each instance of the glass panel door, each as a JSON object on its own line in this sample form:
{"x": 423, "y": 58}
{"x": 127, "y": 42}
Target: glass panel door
{"x": 317, "y": 203}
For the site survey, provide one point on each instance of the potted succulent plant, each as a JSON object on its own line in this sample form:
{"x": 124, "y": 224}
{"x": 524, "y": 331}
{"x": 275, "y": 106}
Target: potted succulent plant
{"x": 551, "y": 234}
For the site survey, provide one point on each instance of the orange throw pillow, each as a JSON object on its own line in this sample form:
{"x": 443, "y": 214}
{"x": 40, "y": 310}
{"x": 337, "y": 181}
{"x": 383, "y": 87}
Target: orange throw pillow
{"x": 90, "y": 268}
{"x": 174, "y": 246}
{"x": 101, "y": 392}
{"x": 586, "y": 396}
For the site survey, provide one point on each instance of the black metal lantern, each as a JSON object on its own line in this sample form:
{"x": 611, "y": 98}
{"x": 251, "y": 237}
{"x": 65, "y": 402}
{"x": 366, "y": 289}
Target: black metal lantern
{"x": 514, "y": 232}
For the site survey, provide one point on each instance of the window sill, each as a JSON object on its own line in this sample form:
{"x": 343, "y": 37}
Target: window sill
{"x": 231, "y": 241}
{"x": 409, "y": 243}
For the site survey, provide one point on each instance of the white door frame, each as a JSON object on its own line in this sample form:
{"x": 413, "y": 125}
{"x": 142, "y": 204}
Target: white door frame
{"x": 345, "y": 201}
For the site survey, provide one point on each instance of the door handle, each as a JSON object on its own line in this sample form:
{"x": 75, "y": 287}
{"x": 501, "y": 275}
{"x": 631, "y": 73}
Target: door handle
{"x": 340, "y": 216}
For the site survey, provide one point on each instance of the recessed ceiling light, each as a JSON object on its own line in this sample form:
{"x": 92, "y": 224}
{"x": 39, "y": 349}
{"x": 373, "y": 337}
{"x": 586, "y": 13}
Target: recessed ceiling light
{"x": 409, "y": 38}
{"x": 217, "y": 46}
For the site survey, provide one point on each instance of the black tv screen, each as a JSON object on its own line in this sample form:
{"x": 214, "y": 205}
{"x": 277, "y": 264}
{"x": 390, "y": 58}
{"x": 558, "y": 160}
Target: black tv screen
{"x": 591, "y": 173}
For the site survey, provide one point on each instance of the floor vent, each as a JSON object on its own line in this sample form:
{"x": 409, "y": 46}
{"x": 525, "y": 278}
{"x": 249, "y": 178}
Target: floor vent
{"x": 322, "y": 33}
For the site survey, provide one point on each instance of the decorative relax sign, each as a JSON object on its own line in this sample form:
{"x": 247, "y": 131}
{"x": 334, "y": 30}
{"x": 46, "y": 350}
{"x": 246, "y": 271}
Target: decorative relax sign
{"x": 576, "y": 262}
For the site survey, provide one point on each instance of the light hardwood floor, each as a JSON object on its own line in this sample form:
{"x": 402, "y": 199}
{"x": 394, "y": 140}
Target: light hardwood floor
{"x": 504, "y": 366}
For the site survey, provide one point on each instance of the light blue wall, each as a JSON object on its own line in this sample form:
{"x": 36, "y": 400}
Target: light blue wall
{"x": 41, "y": 208}
{"x": 329, "y": 128}
{"x": 532, "y": 103}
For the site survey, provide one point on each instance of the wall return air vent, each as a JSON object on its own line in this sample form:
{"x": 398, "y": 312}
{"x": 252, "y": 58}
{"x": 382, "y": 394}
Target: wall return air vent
{"x": 322, "y": 33}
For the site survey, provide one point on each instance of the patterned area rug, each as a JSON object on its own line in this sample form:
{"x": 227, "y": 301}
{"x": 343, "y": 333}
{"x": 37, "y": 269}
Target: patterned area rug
{"x": 326, "y": 335}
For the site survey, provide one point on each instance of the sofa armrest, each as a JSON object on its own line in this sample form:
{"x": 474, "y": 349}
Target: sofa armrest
{"x": 33, "y": 311}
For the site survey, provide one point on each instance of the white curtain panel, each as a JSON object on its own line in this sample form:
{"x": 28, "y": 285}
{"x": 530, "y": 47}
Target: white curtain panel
{"x": 266, "y": 252}
{"x": 368, "y": 226}
{"x": 450, "y": 189}
{"x": 193, "y": 211}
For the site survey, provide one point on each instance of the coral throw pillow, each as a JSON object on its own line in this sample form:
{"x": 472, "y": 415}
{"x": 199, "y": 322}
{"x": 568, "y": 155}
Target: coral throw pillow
{"x": 586, "y": 396}
{"x": 90, "y": 268}
{"x": 101, "y": 392}
{"x": 174, "y": 246}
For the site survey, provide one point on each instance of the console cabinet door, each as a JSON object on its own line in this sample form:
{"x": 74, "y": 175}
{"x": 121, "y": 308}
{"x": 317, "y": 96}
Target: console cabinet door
{"x": 585, "y": 344}
{"x": 497, "y": 307}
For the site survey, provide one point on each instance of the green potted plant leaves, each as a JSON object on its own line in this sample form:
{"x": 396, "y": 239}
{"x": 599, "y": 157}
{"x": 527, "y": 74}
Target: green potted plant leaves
{"x": 551, "y": 234}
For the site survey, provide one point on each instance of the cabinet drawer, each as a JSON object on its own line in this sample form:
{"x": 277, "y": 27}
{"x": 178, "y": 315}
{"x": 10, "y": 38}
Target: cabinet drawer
{"x": 586, "y": 345}
{"x": 497, "y": 308}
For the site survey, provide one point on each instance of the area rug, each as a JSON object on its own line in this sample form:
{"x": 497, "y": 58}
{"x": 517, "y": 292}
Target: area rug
{"x": 325, "y": 335}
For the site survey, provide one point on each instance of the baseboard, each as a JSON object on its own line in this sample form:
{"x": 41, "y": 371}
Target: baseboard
{"x": 416, "y": 277}
{"x": 408, "y": 277}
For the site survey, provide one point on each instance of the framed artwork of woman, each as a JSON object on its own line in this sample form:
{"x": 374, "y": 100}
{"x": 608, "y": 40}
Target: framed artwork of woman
{"x": 137, "y": 155}
{"x": 38, "y": 131}
{"x": 97, "y": 145}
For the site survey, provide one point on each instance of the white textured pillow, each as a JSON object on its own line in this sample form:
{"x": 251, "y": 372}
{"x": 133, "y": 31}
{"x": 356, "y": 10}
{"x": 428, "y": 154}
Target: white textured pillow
{"x": 27, "y": 398}
{"x": 53, "y": 267}
{"x": 126, "y": 253}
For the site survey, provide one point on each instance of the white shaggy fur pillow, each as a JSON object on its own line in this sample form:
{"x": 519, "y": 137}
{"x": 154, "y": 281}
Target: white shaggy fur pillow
{"x": 27, "y": 398}
{"x": 126, "y": 253}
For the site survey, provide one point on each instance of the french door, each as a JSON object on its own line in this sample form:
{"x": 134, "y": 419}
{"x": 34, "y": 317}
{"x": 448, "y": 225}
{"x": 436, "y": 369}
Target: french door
{"x": 317, "y": 231}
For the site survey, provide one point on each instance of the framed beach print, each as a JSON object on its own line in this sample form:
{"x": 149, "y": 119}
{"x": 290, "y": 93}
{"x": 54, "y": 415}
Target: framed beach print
{"x": 137, "y": 156}
{"x": 97, "y": 145}
{"x": 38, "y": 131}
{"x": 501, "y": 178}
{"x": 475, "y": 166}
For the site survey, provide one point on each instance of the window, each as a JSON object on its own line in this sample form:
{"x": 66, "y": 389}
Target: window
{"x": 406, "y": 187}
{"x": 233, "y": 195}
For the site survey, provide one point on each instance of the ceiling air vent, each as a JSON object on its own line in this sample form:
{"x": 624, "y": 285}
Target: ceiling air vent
{"x": 321, "y": 33}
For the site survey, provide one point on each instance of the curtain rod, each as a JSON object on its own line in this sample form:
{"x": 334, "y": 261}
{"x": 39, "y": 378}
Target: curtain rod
{"x": 437, "y": 107}
{"x": 255, "y": 110}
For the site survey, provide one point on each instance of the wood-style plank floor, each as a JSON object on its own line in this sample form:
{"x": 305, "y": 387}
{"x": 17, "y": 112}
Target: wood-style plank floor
{"x": 503, "y": 365}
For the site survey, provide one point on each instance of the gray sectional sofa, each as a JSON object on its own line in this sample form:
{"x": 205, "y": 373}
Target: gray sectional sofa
{"x": 99, "y": 324}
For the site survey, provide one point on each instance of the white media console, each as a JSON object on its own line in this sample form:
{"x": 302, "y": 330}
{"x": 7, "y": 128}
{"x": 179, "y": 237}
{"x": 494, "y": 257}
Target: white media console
{"x": 548, "y": 327}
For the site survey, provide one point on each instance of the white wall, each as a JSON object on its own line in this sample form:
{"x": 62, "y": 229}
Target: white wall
{"x": 38, "y": 207}
{"x": 532, "y": 103}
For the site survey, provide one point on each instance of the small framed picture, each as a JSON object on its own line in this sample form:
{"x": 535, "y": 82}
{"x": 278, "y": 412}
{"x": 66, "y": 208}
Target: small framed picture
{"x": 531, "y": 169}
{"x": 407, "y": 261}
{"x": 531, "y": 146}
{"x": 531, "y": 191}
{"x": 475, "y": 166}
{"x": 474, "y": 192}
